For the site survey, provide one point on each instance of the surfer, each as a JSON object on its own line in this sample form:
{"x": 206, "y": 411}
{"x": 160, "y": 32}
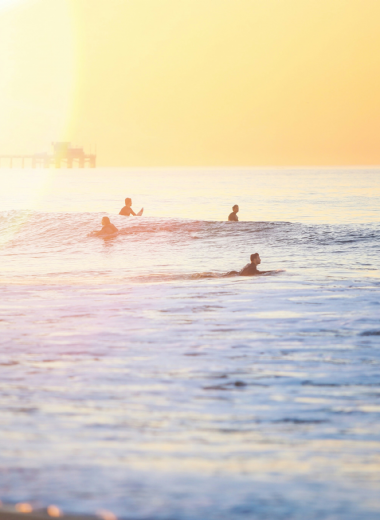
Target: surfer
{"x": 127, "y": 210}
{"x": 250, "y": 269}
{"x": 232, "y": 217}
{"x": 107, "y": 229}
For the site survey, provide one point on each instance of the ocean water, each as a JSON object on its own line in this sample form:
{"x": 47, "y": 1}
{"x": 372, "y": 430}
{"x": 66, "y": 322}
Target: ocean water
{"x": 136, "y": 379}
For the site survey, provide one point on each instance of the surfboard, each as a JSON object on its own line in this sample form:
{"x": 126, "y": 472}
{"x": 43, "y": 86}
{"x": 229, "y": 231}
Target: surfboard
{"x": 140, "y": 212}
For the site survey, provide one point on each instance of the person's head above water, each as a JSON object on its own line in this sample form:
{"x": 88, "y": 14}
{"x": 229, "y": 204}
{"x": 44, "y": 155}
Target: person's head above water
{"x": 128, "y": 202}
{"x": 105, "y": 221}
{"x": 255, "y": 259}
{"x": 235, "y": 208}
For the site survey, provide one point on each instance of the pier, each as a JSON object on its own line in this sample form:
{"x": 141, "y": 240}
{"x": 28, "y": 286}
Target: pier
{"x": 63, "y": 154}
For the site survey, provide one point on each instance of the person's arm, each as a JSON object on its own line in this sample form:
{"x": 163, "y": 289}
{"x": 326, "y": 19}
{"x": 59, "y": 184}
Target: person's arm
{"x": 95, "y": 233}
{"x": 105, "y": 231}
{"x": 133, "y": 213}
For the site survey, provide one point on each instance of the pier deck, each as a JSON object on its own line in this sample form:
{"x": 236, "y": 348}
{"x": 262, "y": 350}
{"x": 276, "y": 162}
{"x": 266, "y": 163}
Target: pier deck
{"x": 63, "y": 155}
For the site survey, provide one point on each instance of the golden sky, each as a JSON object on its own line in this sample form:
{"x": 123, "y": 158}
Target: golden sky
{"x": 193, "y": 82}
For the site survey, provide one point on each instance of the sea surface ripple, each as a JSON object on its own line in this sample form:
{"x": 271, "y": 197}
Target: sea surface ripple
{"x": 136, "y": 378}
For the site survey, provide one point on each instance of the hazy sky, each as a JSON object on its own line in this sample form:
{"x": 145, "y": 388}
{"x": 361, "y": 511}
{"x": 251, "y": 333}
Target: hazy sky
{"x": 193, "y": 82}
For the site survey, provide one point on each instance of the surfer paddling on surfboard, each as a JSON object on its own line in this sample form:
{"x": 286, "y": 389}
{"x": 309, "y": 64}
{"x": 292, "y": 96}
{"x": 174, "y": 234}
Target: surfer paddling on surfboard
{"x": 108, "y": 229}
{"x": 251, "y": 269}
{"x": 128, "y": 211}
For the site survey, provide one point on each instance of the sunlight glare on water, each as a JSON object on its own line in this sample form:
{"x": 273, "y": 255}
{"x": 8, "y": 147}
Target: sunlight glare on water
{"x": 320, "y": 195}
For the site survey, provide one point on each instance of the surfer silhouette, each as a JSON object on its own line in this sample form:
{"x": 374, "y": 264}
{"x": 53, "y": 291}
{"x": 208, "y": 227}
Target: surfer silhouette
{"x": 128, "y": 211}
{"x": 232, "y": 217}
{"x": 251, "y": 268}
{"x": 107, "y": 229}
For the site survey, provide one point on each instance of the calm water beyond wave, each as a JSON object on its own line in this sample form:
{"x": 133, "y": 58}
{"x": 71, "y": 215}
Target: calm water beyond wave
{"x": 136, "y": 379}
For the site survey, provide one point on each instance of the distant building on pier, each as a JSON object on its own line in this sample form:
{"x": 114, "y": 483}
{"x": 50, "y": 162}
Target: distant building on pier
{"x": 63, "y": 154}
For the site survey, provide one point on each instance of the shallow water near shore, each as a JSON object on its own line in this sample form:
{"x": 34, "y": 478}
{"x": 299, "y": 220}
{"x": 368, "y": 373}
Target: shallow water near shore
{"x": 137, "y": 379}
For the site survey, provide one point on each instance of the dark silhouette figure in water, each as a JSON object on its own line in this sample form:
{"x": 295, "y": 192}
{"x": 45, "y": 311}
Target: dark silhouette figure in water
{"x": 250, "y": 269}
{"x": 128, "y": 211}
{"x": 233, "y": 216}
{"x": 107, "y": 229}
